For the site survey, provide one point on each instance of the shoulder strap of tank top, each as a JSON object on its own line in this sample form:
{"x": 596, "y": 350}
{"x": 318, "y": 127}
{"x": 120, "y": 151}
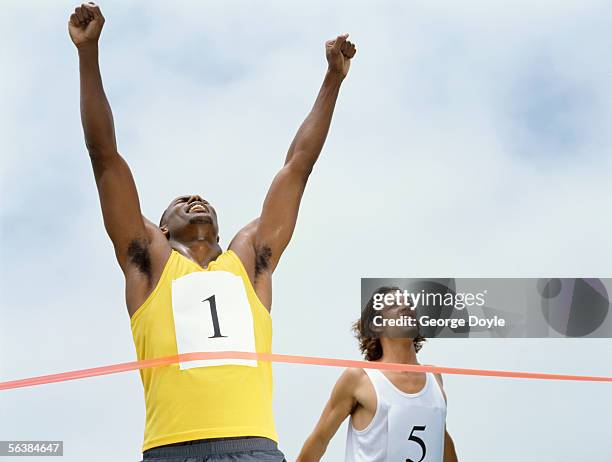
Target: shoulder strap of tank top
{"x": 374, "y": 376}
{"x": 435, "y": 386}
{"x": 380, "y": 382}
{"x": 385, "y": 387}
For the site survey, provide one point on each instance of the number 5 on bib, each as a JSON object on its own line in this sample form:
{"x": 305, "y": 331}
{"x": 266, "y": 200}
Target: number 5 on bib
{"x": 212, "y": 313}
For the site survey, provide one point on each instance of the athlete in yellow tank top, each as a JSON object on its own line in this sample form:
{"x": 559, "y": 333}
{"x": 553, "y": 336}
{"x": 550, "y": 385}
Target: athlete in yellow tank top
{"x": 184, "y": 293}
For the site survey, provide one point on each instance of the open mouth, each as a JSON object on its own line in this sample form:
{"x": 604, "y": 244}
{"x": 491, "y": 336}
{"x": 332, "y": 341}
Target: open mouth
{"x": 197, "y": 208}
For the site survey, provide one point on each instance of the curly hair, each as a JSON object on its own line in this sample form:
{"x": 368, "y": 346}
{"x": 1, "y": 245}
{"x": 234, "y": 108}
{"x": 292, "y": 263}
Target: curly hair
{"x": 371, "y": 347}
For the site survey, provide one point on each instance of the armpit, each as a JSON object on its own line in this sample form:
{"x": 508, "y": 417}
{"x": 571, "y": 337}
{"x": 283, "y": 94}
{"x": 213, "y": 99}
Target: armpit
{"x": 263, "y": 254}
{"x": 140, "y": 256}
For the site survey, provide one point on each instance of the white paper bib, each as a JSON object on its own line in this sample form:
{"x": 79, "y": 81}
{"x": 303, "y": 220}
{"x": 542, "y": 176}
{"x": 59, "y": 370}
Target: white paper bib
{"x": 212, "y": 313}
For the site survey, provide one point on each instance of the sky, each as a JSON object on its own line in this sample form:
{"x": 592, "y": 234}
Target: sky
{"x": 470, "y": 139}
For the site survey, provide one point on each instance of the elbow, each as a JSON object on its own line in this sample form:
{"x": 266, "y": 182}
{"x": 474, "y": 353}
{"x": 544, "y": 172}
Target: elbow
{"x": 99, "y": 151}
{"x": 101, "y": 159}
{"x": 95, "y": 153}
{"x": 300, "y": 168}
{"x": 94, "y": 149}
{"x": 100, "y": 144}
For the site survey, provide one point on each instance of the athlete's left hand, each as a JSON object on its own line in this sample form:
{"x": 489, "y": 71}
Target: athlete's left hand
{"x": 85, "y": 25}
{"x": 339, "y": 53}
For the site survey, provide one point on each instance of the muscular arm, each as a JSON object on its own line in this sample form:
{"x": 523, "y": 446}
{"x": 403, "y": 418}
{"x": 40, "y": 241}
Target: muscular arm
{"x": 281, "y": 205}
{"x": 267, "y": 237}
{"x": 96, "y": 114}
{"x": 310, "y": 137}
{"x": 116, "y": 187}
{"x": 339, "y": 407}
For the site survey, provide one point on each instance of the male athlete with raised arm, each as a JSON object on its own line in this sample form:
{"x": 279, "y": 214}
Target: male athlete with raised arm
{"x": 185, "y": 294}
{"x": 394, "y": 416}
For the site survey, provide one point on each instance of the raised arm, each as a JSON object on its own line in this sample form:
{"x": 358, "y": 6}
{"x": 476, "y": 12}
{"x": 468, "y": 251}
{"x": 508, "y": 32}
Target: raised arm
{"x": 116, "y": 188}
{"x": 275, "y": 226}
{"x": 339, "y": 407}
{"x": 282, "y": 202}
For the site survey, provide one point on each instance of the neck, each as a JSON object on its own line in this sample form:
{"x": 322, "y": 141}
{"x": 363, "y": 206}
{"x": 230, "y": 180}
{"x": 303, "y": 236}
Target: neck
{"x": 398, "y": 350}
{"x": 199, "y": 250}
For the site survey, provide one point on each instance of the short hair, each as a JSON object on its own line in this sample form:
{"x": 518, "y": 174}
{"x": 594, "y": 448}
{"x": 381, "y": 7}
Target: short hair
{"x": 163, "y": 217}
{"x": 371, "y": 347}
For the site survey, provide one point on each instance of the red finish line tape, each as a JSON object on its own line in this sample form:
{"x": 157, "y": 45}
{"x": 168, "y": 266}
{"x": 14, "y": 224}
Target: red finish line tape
{"x": 280, "y": 358}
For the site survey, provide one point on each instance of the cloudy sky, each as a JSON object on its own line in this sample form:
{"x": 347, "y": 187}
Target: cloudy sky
{"x": 471, "y": 139}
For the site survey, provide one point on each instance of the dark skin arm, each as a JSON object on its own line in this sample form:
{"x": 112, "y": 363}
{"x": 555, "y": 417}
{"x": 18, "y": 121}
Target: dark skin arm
{"x": 261, "y": 243}
{"x": 137, "y": 244}
{"x": 140, "y": 246}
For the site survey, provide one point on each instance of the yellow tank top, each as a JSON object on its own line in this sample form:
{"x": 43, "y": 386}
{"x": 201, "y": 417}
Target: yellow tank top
{"x": 202, "y": 402}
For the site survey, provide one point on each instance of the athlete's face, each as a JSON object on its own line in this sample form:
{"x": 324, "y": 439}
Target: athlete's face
{"x": 187, "y": 211}
{"x": 400, "y": 313}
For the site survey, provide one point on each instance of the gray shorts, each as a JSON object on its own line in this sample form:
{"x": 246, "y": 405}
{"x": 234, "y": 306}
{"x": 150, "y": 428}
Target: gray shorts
{"x": 248, "y": 449}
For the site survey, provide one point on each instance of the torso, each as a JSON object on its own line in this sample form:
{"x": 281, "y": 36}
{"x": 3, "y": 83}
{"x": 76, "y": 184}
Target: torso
{"x": 398, "y": 416}
{"x": 139, "y": 285}
{"x": 176, "y": 319}
{"x": 365, "y": 396}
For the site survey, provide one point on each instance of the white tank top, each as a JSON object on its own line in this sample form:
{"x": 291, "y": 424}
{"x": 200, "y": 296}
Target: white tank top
{"x": 407, "y": 427}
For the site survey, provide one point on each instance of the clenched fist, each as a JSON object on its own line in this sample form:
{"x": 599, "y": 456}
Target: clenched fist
{"x": 85, "y": 24}
{"x": 339, "y": 53}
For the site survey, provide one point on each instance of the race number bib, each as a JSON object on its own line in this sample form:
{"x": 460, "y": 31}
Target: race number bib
{"x": 417, "y": 439}
{"x": 212, "y": 313}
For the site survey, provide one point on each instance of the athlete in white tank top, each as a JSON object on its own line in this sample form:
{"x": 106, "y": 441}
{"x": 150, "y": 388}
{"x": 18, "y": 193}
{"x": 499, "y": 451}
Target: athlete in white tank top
{"x": 394, "y": 416}
{"x": 405, "y": 427}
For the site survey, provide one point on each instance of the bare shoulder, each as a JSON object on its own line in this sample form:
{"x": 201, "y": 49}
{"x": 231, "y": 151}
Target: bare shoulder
{"x": 147, "y": 258}
{"x": 349, "y": 382}
{"x": 354, "y": 374}
{"x": 147, "y": 253}
{"x": 255, "y": 261}
{"x": 353, "y": 378}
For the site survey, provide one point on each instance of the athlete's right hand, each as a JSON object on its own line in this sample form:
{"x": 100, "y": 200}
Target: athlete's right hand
{"x": 85, "y": 24}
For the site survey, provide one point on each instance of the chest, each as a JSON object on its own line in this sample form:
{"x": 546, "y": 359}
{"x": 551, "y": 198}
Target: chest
{"x": 202, "y": 312}
{"x": 409, "y": 383}
{"x": 406, "y": 382}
